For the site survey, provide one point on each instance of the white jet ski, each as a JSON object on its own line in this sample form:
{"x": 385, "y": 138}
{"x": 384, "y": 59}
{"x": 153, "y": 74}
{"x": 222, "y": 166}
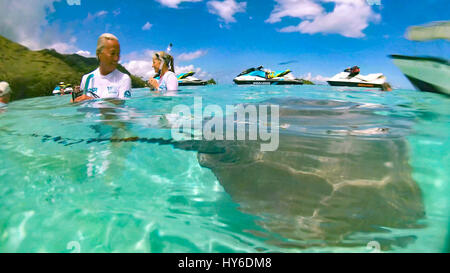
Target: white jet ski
{"x": 351, "y": 77}
{"x": 66, "y": 88}
{"x": 187, "y": 79}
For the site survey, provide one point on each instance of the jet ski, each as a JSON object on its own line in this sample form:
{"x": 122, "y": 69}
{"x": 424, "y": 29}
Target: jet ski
{"x": 261, "y": 76}
{"x": 187, "y": 79}
{"x": 429, "y": 74}
{"x": 67, "y": 89}
{"x": 56, "y": 91}
{"x": 351, "y": 77}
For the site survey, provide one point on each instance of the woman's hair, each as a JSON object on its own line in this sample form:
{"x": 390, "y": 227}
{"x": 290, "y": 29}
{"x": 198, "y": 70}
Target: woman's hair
{"x": 165, "y": 58}
{"x": 102, "y": 40}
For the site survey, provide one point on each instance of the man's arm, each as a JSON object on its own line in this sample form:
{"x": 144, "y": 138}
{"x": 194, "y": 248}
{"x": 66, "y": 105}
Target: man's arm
{"x": 81, "y": 88}
{"x": 82, "y": 98}
{"x": 125, "y": 88}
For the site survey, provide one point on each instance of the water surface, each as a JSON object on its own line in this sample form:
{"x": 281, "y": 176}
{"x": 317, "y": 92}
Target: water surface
{"x": 352, "y": 167}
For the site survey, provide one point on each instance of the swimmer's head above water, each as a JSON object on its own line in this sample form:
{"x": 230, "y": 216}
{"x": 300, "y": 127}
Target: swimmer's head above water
{"x": 108, "y": 52}
{"x": 163, "y": 62}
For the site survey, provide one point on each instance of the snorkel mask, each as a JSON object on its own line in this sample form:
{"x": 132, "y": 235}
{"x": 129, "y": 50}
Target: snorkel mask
{"x": 163, "y": 60}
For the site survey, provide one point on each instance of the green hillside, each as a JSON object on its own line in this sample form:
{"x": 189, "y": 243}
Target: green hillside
{"x": 36, "y": 73}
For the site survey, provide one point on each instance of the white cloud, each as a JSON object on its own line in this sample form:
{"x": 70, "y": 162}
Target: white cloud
{"x": 63, "y": 48}
{"x": 74, "y": 2}
{"x": 84, "y": 53}
{"x": 140, "y": 68}
{"x": 100, "y": 13}
{"x": 174, "y": 3}
{"x": 69, "y": 48}
{"x": 294, "y": 8}
{"x": 23, "y": 21}
{"x": 348, "y": 18}
{"x": 191, "y": 55}
{"x": 147, "y": 26}
{"x": 226, "y": 9}
{"x": 116, "y": 12}
{"x": 374, "y": 2}
{"x": 135, "y": 55}
{"x": 91, "y": 17}
{"x": 317, "y": 78}
{"x": 139, "y": 63}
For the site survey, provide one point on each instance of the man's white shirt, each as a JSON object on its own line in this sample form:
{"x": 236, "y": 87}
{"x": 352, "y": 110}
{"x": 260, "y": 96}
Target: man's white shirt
{"x": 114, "y": 85}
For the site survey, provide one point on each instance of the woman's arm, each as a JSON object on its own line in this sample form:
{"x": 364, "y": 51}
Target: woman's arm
{"x": 153, "y": 83}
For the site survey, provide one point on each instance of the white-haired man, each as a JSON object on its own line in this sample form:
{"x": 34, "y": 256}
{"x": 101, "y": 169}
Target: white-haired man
{"x": 5, "y": 94}
{"x": 106, "y": 81}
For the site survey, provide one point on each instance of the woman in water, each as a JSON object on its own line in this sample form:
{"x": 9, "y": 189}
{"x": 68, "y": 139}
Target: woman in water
{"x": 164, "y": 67}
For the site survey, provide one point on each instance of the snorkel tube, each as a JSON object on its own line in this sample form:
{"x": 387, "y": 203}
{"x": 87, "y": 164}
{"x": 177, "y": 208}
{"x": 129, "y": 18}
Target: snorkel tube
{"x": 76, "y": 92}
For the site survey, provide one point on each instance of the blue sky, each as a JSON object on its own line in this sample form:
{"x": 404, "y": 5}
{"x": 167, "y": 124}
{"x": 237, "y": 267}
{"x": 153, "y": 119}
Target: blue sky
{"x": 221, "y": 38}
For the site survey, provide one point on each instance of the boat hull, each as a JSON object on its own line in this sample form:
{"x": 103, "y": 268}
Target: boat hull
{"x": 425, "y": 73}
{"x": 268, "y": 82}
{"x": 199, "y": 83}
{"x": 355, "y": 84}
{"x": 58, "y": 93}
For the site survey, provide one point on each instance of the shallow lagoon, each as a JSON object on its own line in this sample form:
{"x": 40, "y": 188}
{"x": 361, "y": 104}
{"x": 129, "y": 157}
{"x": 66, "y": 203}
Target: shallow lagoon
{"x": 353, "y": 168}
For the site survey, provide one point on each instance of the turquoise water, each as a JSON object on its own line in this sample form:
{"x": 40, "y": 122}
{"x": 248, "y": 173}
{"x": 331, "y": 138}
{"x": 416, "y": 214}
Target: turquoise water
{"x": 353, "y": 169}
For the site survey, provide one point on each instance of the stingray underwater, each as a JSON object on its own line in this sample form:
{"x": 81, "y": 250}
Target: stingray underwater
{"x": 323, "y": 186}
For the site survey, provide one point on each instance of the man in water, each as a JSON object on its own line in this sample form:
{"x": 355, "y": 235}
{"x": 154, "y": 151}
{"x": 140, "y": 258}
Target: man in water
{"x": 106, "y": 81}
{"x": 5, "y": 94}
